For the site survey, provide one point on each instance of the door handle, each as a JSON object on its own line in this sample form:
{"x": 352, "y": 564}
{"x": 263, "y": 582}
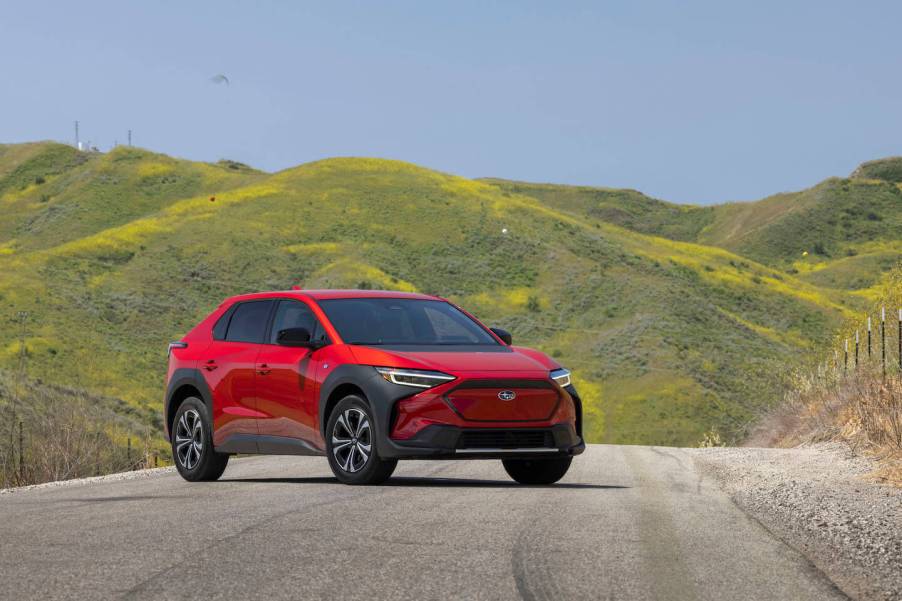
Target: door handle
{"x": 263, "y": 369}
{"x": 210, "y": 365}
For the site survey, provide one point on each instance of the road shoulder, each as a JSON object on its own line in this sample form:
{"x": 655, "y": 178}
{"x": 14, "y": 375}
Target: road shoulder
{"x": 819, "y": 500}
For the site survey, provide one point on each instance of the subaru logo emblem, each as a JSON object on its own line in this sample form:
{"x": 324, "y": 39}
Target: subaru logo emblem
{"x": 507, "y": 395}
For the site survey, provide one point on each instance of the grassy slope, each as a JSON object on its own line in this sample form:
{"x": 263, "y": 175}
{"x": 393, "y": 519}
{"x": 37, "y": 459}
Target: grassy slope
{"x": 850, "y": 228}
{"x": 668, "y": 339}
{"x": 626, "y": 208}
{"x": 888, "y": 169}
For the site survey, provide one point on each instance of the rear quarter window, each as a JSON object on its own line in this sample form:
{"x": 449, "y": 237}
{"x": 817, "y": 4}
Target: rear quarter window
{"x": 249, "y": 321}
{"x": 222, "y": 324}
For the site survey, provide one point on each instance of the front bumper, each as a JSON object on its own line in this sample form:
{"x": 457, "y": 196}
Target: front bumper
{"x": 440, "y": 441}
{"x": 410, "y": 425}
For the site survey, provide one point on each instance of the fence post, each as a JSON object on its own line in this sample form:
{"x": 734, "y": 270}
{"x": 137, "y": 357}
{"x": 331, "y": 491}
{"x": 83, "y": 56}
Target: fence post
{"x": 856, "y": 350}
{"x": 835, "y": 363}
{"x": 845, "y": 356}
{"x": 21, "y": 455}
{"x": 128, "y": 453}
{"x": 869, "y": 338}
{"x": 883, "y": 339}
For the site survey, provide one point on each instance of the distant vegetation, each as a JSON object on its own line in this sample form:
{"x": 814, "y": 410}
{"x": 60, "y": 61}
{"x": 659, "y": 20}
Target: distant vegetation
{"x": 842, "y": 233}
{"x": 889, "y": 170}
{"x": 626, "y": 208}
{"x": 674, "y": 319}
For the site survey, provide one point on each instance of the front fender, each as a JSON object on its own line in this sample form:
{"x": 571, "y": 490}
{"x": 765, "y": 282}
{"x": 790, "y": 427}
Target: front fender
{"x": 381, "y": 394}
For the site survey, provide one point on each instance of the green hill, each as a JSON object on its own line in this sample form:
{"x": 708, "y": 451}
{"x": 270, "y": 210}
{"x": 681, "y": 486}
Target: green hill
{"x": 888, "y": 170}
{"x": 849, "y": 228}
{"x": 626, "y": 208}
{"x": 841, "y": 233}
{"x": 116, "y": 254}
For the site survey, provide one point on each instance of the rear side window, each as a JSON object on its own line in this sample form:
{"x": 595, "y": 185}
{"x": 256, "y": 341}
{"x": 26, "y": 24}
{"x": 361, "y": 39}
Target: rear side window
{"x": 248, "y": 323}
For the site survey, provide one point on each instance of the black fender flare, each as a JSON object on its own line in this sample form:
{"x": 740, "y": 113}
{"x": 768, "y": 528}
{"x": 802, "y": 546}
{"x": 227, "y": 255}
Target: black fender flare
{"x": 578, "y": 408}
{"x": 381, "y": 394}
{"x": 185, "y": 377}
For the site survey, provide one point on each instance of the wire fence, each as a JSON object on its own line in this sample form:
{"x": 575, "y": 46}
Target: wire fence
{"x": 873, "y": 348}
{"x": 50, "y": 432}
{"x": 854, "y": 396}
{"x": 29, "y": 460}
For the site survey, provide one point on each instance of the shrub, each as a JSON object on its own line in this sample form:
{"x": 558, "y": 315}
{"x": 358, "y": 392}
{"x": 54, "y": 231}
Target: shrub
{"x": 66, "y": 433}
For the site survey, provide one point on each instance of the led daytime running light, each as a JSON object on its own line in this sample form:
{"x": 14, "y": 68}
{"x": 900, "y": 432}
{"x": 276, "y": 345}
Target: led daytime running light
{"x": 562, "y": 377}
{"x": 413, "y": 377}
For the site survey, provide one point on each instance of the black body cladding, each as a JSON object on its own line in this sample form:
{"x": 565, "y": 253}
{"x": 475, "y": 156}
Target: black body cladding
{"x": 181, "y": 379}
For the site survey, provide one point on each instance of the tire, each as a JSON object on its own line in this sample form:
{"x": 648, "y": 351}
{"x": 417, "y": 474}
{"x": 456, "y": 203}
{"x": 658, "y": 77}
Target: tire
{"x": 537, "y": 471}
{"x": 351, "y": 444}
{"x": 192, "y": 443}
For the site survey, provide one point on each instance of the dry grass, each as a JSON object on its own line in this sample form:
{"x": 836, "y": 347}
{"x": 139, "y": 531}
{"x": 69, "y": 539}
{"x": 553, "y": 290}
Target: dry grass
{"x": 859, "y": 405}
{"x": 65, "y": 433}
{"x": 862, "y": 408}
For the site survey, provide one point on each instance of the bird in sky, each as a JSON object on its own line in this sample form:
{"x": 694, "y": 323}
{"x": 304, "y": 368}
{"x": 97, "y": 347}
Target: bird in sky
{"x": 220, "y": 78}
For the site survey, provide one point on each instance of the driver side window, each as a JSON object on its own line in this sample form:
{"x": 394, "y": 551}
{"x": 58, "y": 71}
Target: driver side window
{"x": 294, "y": 314}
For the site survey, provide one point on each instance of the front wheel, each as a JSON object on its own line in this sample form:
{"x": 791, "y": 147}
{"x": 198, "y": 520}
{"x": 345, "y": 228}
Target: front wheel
{"x": 537, "y": 471}
{"x": 192, "y": 443}
{"x": 351, "y": 444}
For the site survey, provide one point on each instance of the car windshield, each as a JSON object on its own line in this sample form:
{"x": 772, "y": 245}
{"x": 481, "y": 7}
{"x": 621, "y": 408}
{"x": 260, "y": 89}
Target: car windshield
{"x": 386, "y": 321}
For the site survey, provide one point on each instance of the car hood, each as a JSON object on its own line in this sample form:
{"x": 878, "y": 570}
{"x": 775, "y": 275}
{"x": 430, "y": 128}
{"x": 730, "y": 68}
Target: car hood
{"x": 462, "y": 359}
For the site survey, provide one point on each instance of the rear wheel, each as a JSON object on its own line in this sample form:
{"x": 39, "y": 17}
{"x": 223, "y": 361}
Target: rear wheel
{"x": 537, "y": 471}
{"x": 351, "y": 444}
{"x": 192, "y": 443}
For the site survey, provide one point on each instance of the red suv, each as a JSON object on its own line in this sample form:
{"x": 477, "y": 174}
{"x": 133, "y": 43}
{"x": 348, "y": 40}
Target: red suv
{"x": 365, "y": 378}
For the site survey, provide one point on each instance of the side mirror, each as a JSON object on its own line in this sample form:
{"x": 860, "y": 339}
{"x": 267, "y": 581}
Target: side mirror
{"x": 504, "y": 335}
{"x": 299, "y": 337}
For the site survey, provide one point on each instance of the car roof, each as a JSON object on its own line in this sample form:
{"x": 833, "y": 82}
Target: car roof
{"x": 327, "y": 294}
{"x": 333, "y": 294}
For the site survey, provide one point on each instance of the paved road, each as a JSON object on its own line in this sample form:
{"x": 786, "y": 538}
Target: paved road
{"x": 626, "y": 523}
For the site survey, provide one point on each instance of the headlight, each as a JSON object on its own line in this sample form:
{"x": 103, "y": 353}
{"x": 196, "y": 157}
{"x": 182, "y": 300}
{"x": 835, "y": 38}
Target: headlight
{"x": 413, "y": 377}
{"x": 561, "y": 376}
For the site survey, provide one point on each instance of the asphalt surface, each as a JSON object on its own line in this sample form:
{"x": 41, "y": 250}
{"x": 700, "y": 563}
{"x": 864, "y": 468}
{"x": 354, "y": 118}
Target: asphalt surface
{"x": 625, "y": 523}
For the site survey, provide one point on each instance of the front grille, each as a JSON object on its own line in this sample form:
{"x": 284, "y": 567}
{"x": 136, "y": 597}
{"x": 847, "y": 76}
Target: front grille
{"x": 505, "y": 439}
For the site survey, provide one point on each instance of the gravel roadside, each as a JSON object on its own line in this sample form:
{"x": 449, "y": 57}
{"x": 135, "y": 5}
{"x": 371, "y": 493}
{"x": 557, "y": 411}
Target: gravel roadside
{"x": 115, "y": 477}
{"x": 819, "y": 500}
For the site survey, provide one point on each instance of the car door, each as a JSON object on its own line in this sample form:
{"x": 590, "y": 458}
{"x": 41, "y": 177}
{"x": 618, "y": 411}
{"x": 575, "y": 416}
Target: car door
{"x": 228, "y": 366}
{"x": 286, "y": 381}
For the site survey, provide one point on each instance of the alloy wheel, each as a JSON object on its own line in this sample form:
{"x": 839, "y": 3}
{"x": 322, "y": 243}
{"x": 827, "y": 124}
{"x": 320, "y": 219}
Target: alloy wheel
{"x": 352, "y": 440}
{"x": 189, "y": 439}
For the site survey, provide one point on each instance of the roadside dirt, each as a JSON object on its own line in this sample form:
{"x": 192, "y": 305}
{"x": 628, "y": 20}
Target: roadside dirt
{"x": 821, "y": 500}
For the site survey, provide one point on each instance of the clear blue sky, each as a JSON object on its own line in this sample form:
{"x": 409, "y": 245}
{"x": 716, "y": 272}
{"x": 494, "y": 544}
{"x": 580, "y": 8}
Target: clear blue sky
{"x": 691, "y": 102}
